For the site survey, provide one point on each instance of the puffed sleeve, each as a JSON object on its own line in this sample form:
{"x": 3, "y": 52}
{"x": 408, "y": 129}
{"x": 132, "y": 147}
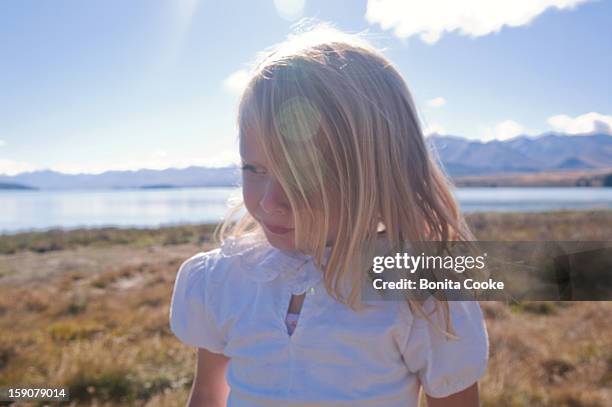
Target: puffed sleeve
{"x": 444, "y": 365}
{"x": 191, "y": 316}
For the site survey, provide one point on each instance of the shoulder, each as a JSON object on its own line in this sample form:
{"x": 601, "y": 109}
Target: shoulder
{"x": 198, "y": 277}
{"x": 447, "y": 365}
{"x": 466, "y": 323}
{"x": 205, "y": 291}
{"x": 459, "y": 312}
{"x": 191, "y": 317}
{"x": 226, "y": 262}
{"x": 201, "y": 265}
{"x": 192, "y": 278}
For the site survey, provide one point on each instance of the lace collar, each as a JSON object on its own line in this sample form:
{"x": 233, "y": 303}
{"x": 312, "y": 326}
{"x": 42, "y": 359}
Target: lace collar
{"x": 262, "y": 262}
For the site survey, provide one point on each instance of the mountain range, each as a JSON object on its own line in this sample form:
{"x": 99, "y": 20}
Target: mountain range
{"x": 459, "y": 156}
{"x": 523, "y": 154}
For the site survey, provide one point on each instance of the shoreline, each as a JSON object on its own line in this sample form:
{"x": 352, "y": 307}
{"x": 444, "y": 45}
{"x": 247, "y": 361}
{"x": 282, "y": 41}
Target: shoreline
{"x": 550, "y": 225}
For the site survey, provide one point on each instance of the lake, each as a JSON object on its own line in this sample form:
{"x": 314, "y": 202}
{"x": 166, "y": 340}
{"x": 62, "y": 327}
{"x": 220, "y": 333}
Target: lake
{"x": 40, "y": 210}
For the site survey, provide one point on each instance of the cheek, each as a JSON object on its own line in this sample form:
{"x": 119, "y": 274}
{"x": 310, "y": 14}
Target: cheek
{"x": 251, "y": 194}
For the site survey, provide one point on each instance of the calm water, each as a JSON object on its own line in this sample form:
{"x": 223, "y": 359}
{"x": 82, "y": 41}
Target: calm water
{"x": 26, "y": 210}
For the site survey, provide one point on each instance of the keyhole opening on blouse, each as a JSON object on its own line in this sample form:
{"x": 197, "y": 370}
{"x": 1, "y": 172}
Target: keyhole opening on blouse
{"x": 295, "y": 306}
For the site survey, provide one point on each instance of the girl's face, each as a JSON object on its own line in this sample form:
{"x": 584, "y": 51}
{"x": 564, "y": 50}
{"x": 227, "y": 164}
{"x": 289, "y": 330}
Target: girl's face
{"x": 266, "y": 200}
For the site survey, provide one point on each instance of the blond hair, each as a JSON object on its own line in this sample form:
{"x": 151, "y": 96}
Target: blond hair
{"x": 340, "y": 131}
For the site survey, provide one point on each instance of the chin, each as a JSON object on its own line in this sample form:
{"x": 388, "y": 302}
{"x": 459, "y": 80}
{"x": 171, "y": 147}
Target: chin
{"x": 281, "y": 243}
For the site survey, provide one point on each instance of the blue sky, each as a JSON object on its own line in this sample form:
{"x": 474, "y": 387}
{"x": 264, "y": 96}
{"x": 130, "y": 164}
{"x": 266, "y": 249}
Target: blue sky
{"x": 89, "y": 86}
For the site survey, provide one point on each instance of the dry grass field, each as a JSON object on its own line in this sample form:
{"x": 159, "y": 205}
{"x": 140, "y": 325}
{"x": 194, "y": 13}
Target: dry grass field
{"x": 593, "y": 178}
{"x": 88, "y": 309}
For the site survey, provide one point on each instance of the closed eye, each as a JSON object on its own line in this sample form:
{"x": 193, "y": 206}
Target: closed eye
{"x": 253, "y": 169}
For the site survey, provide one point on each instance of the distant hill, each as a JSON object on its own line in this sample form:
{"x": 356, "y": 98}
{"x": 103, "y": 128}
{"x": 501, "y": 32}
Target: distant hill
{"x": 524, "y": 154}
{"x": 158, "y": 186}
{"x": 461, "y": 157}
{"x": 168, "y": 178}
{"x": 8, "y": 185}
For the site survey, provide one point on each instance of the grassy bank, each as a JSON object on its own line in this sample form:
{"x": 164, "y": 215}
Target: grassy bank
{"x": 88, "y": 309}
{"x": 576, "y": 178}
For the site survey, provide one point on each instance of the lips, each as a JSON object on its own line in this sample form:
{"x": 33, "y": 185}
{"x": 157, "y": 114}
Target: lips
{"x": 278, "y": 230}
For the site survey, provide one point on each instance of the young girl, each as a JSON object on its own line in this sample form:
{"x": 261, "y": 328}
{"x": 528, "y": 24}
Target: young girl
{"x": 335, "y": 171}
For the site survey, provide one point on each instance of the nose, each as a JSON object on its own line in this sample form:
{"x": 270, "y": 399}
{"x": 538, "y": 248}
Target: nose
{"x": 274, "y": 200}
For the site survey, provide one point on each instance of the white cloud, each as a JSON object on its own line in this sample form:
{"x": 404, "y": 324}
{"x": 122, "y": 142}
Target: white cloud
{"x": 476, "y": 18}
{"x": 584, "y": 124}
{"x": 159, "y": 160}
{"x": 508, "y": 129}
{"x": 436, "y": 102}
{"x": 222, "y": 159}
{"x": 159, "y": 154}
{"x": 2, "y": 143}
{"x": 289, "y": 9}
{"x": 434, "y": 128}
{"x": 10, "y": 167}
{"x": 68, "y": 168}
{"x": 588, "y": 123}
{"x": 502, "y": 131}
{"x": 237, "y": 81}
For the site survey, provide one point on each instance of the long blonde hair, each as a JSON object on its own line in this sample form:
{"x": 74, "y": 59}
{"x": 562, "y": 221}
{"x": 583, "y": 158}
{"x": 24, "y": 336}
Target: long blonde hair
{"x": 340, "y": 131}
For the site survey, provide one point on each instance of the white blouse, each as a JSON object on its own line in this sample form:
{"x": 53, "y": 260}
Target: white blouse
{"x": 234, "y": 300}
